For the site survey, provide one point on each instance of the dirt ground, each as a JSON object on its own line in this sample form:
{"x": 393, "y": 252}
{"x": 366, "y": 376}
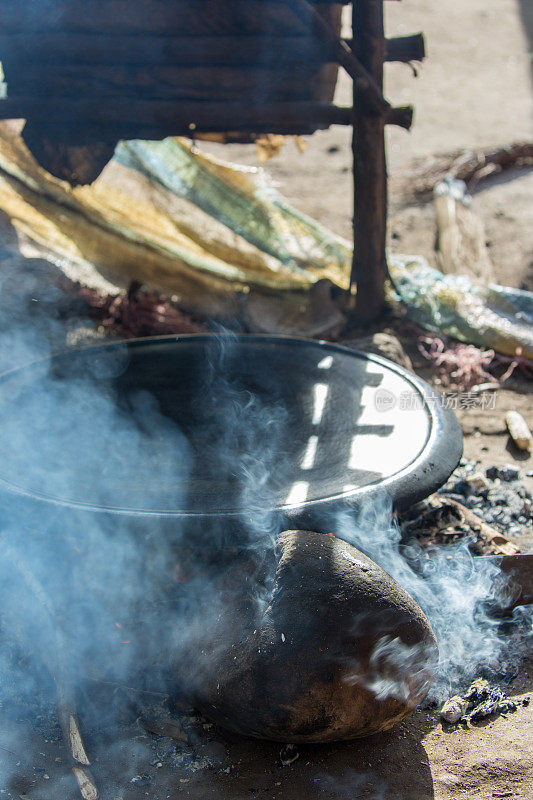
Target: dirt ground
{"x": 474, "y": 90}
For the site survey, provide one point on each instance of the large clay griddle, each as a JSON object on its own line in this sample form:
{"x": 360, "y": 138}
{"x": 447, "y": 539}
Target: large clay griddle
{"x": 302, "y": 429}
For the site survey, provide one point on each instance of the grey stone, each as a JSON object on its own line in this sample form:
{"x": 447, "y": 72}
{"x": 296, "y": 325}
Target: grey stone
{"x": 382, "y": 344}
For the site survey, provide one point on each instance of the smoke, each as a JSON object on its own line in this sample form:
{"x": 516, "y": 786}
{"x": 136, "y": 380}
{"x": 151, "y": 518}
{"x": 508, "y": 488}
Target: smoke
{"x": 120, "y": 592}
{"x": 458, "y": 594}
{"x": 119, "y": 596}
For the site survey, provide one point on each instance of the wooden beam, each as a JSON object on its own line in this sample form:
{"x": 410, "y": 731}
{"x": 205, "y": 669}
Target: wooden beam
{"x": 206, "y": 51}
{"x": 80, "y": 120}
{"x": 401, "y": 48}
{"x": 405, "y": 48}
{"x": 370, "y": 169}
{"x": 296, "y": 83}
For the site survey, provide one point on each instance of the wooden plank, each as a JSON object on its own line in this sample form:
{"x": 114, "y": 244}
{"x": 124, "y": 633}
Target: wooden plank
{"x": 180, "y": 17}
{"x": 79, "y": 48}
{"x": 167, "y": 118}
{"x": 172, "y": 83}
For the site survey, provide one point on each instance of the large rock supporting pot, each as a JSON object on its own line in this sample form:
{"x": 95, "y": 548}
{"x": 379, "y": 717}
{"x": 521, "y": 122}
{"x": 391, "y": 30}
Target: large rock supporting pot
{"x": 332, "y": 649}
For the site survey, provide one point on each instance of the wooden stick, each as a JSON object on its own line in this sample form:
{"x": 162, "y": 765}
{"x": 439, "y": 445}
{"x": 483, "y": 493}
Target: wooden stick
{"x": 402, "y": 116}
{"x": 400, "y": 48}
{"x": 370, "y": 170}
{"x": 420, "y": 178}
{"x": 55, "y": 659}
{"x": 405, "y": 48}
{"x": 178, "y": 84}
{"x": 143, "y": 118}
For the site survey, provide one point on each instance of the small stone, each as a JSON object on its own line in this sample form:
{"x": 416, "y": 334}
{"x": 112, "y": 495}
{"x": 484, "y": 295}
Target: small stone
{"x": 288, "y": 755}
{"x": 382, "y": 344}
{"x": 477, "y": 481}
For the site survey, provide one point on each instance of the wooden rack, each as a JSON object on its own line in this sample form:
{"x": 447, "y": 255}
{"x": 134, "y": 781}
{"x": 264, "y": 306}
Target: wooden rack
{"x": 85, "y": 74}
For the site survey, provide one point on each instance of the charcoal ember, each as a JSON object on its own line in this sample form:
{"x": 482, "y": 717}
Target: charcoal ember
{"x": 437, "y": 521}
{"x": 485, "y": 710}
{"x": 497, "y": 703}
{"x": 485, "y": 701}
{"x": 335, "y": 649}
{"x": 504, "y": 502}
{"x": 443, "y": 520}
{"x": 478, "y": 691}
{"x": 506, "y": 473}
{"x": 480, "y": 701}
{"x": 453, "y": 709}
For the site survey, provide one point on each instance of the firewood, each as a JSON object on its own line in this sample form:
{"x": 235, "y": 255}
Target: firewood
{"x": 56, "y": 659}
{"x": 85, "y": 783}
{"x": 497, "y": 543}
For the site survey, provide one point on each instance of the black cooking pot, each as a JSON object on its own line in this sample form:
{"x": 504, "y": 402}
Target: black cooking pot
{"x": 207, "y": 434}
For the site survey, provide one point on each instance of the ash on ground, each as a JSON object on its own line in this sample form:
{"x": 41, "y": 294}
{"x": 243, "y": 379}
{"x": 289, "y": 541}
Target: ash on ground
{"x": 497, "y": 497}
{"x": 480, "y": 701}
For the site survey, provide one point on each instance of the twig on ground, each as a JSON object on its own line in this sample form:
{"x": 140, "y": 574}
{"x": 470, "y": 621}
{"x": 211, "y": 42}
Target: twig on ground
{"x": 56, "y": 661}
{"x": 470, "y": 166}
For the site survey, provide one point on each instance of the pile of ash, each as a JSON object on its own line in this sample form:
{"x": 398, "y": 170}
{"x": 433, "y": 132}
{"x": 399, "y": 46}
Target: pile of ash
{"x": 488, "y": 510}
{"x": 481, "y": 700}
